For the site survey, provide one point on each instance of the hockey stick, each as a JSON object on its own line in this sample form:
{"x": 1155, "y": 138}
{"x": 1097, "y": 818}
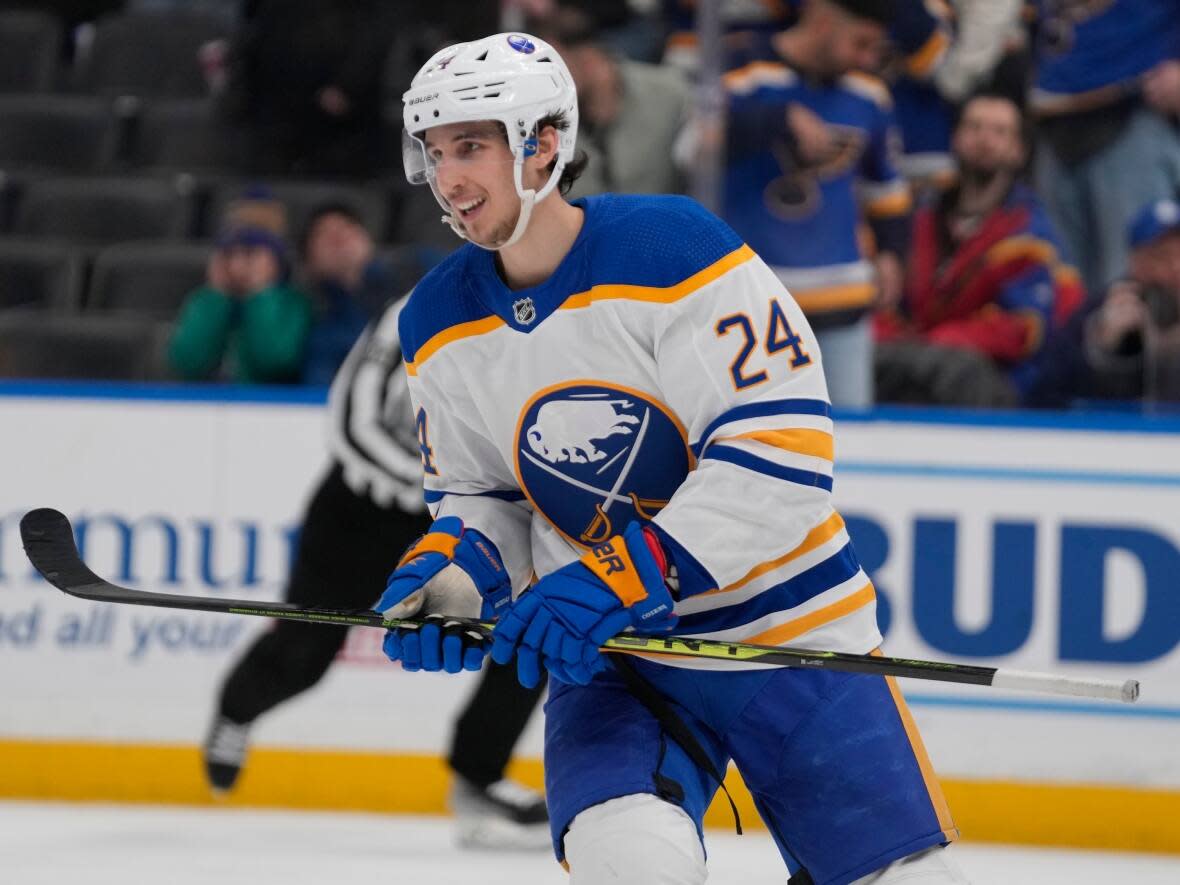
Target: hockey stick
{"x": 48, "y": 539}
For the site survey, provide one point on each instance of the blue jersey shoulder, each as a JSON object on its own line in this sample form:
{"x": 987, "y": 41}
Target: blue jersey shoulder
{"x": 646, "y": 240}
{"x": 441, "y": 299}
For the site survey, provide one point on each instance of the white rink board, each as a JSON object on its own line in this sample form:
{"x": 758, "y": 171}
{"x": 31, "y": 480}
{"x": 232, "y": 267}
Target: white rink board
{"x": 229, "y": 479}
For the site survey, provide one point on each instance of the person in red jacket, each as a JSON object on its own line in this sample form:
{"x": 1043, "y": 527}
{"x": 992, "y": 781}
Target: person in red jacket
{"x": 986, "y": 278}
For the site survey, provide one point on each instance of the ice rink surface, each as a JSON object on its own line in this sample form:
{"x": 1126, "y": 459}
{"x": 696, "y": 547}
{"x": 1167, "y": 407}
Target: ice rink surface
{"x": 97, "y": 844}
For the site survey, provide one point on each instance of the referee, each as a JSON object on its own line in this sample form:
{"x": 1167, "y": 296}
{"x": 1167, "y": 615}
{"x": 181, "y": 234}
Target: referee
{"x": 365, "y": 512}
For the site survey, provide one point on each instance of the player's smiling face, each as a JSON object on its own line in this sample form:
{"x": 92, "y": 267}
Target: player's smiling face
{"x": 473, "y": 171}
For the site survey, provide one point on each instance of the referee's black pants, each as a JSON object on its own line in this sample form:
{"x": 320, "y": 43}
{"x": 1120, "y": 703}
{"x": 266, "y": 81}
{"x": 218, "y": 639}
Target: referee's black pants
{"x": 347, "y": 548}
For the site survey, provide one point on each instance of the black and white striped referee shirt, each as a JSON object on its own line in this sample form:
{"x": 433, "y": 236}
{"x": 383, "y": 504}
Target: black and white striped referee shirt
{"x": 371, "y": 426}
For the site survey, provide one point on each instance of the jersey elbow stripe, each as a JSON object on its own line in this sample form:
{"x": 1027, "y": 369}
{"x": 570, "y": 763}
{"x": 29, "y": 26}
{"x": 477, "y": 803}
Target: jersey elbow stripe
{"x": 801, "y": 441}
{"x": 796, "y": 627}
{"x": 433, "y": 496}
{"x": 1026, "y": 248}
{"x": 741, "y": 458}
{"x": 897, "y": 201}
{"x": 764, "y": 409}
{"x": 831, "y": 528}
{"x": 831, "y": 575}
{"x": 922, "y": 63}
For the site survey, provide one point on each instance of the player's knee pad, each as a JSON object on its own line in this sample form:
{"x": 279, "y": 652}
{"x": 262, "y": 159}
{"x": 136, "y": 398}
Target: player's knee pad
{"x": 636, "y": 838}
{"x": 932, "y": 866}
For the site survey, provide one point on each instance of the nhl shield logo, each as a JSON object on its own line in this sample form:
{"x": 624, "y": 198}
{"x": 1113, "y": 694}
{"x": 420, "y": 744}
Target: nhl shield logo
{"x": 524, "y": 311}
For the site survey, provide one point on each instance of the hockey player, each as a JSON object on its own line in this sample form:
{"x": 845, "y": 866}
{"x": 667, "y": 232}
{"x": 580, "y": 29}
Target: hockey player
{"x": 618, "y": 396}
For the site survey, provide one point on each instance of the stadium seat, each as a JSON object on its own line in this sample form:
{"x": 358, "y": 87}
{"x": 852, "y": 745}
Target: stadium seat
{"x": 105, "y": 210}
{"x": 57, "y": 132}
{"x": 148, "y": 279}
{"x": 301, "y": 197}
{"x": 38, "y": 345}
{"x": 185, "y": 135}
{"x": 148, "y": 53}
{"x": 40, "y": 275}
{"x": 29, "y": 45}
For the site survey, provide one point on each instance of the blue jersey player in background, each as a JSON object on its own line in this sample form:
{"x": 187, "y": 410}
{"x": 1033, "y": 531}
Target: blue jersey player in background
{"x": 624, "y": 425}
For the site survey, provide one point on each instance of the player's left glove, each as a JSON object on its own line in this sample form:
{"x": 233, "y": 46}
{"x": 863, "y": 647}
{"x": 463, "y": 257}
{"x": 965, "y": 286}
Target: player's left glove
{"x": 451, "y": 571}
{"x": 440, "y": 643}
{"x": 568, "y": 614}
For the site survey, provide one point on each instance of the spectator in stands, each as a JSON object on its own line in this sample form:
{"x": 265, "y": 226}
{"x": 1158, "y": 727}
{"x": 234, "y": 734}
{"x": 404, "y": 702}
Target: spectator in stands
{"x": 986, "y": 281}
{"x": 947, "y": 52}
{"x": 629, "y": 116}
{"x": 349, "y": 284}
{"x": 1107, "y": 78}
{"x": 1126, "y": 344}
{"x": 810, "y": 155}
{"x": 305, "y": 79}
{"x": 246, "y": 324}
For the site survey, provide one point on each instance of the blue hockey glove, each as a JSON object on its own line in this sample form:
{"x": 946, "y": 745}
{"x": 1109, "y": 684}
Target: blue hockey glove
{"x": 568, "y": 614}
{"x": 452, "y": 571}
{"x": 441, "y": 643}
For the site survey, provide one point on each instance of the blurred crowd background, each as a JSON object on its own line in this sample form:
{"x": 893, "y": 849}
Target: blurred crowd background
{"x": 973, "y": 201}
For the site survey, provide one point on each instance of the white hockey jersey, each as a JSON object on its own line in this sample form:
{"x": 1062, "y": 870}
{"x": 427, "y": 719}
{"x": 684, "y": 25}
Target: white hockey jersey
{"x": 664, "y": 374}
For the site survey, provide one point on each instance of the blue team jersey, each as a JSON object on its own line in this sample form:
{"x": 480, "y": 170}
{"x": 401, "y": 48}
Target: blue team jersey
{"x": 806, "y": 221}
{"x": 1091, "y": 54}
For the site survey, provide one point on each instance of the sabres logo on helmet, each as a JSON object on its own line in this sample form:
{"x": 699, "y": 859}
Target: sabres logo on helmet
{"x": 593, "y": 457}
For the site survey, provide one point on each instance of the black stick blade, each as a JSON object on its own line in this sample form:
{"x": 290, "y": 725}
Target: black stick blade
{"x": 48, "y": 538}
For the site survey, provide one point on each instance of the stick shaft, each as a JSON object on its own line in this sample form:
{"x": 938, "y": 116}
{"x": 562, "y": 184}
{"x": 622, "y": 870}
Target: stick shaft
{"x": 49, "y": 542}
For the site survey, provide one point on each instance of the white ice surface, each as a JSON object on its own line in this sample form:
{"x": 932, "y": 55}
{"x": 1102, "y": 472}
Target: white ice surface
{"x": 98, "y": 844}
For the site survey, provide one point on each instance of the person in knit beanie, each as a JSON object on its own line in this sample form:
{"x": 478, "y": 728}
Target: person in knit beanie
{"x": 247, "y": 324}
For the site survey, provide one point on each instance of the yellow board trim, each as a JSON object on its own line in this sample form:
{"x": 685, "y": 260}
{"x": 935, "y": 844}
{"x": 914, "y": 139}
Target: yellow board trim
{"x": 1114, "y": 818}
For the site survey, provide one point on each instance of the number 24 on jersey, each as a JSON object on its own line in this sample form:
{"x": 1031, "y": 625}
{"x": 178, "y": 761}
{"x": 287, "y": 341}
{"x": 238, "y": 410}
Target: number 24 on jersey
{"x": 779, "y": 336}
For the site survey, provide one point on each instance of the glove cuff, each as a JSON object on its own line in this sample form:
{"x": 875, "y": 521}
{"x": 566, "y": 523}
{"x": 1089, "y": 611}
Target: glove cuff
{"x": 443, "y": 538}
{"x": 633, "y": 571}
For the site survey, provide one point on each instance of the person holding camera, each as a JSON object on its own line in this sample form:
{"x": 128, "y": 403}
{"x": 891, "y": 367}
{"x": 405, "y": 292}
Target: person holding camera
{"x": 1132, "y": 340}
{"x": 1126, "y": 345}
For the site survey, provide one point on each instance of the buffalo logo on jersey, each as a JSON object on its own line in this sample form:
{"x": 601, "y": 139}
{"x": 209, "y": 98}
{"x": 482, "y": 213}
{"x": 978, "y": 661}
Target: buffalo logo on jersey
{"x": 592, "y": 458}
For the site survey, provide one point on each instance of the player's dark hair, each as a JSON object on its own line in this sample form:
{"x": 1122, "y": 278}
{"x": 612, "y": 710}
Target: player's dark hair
{"x": 572, "y": 170}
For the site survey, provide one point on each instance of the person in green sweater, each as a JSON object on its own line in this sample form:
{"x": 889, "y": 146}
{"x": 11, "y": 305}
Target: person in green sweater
{"x": 247, "y": 324}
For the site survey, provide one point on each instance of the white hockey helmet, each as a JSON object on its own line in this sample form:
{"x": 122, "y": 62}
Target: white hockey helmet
{"x": 514, "y": 79}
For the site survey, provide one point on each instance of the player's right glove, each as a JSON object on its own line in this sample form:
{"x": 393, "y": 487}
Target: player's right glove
{"x": 451, "y": 570}
{"x": 568, "y": 614}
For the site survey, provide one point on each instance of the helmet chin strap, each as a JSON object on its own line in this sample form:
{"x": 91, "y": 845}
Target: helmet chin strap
{"x": 522, "y": 221}
{"x": 528, "y": 199}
